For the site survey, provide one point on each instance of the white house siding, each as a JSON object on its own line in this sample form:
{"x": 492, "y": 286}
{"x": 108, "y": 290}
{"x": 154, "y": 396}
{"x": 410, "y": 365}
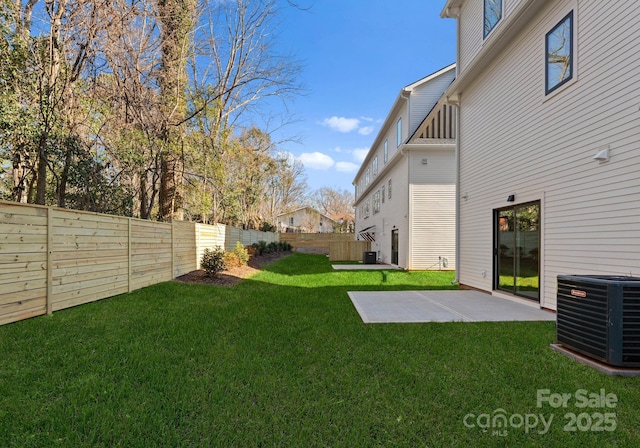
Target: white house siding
{"x": 412, "y": 105}
{"x": 470, "y": 32}
{"x": 393, "y": 214}
{"x": 423, "y": 99}
{"x": 306, "y": 220}
{"x": 392, "y": 149}
{"x": 511, "y": 5}
{"x": 472, "y": 27}
{"x": 516, "y": 140}
{"x": 432, "y": 193}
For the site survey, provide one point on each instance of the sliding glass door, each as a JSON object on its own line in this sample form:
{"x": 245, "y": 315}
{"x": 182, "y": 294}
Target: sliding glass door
{"x": 517, "y": 248}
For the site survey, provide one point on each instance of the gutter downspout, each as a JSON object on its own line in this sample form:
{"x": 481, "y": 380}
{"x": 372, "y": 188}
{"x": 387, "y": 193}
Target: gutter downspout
{"x": 456, "y": 281}
{"x": 403, "y": 151}
{"x": 455, "y": 13}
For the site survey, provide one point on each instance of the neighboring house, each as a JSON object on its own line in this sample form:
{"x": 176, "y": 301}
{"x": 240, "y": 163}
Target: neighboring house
{"x": 549, "y": 142}
{"x": 305, "y": 220}
{"x": 405, "y": 188}
{"x": 345, "y": 223}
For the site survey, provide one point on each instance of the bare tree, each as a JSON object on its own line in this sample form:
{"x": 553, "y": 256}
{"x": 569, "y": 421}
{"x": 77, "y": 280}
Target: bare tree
{"x": 286, "y": 187}
{"x": 335, "y": 203}
{"x": 238, "y": 39}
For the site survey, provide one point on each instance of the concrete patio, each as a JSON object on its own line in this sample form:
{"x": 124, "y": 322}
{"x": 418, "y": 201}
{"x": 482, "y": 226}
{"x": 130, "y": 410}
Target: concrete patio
{"x": 442, "y": 306}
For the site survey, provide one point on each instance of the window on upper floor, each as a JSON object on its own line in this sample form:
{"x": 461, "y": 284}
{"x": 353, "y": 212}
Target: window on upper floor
{"x": 386, "y": 151}
{"x": 399, "y": 132}
{"x": 376, "y": 202}
{"x": 389, "y": 189}
{"x": 559, "y": 54}
{"x": 374, "y": 166}
{"x": 367, "y": 206}
{"x": 492, "y": 15}
{"x": 291, "y": 221}
{"x": 382, "y": 194}
{"x": 367, "y": 177}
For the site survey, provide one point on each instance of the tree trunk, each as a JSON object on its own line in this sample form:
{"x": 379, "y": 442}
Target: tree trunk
{"x": 41, "y": 183}
{"x": 176, "y": 18}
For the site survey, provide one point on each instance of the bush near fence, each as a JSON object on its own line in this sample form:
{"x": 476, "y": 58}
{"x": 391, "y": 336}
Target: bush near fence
{"x": 52, "y": 258}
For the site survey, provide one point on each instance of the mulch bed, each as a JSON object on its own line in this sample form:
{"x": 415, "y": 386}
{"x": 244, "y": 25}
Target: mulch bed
{"x": 234, "y": 275}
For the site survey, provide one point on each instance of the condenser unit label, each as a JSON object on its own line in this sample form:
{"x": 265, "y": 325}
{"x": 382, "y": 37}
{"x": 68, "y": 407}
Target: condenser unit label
{"x": 578, "y": 293}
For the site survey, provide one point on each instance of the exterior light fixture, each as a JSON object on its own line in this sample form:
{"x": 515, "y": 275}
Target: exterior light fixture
{"x": 511, "y": 198}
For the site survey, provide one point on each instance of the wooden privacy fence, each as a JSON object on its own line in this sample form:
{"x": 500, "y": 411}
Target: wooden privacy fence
{"x": 348, "y": 250}
{"x": 52, "y": 258}
{"x": 339, "y": 246}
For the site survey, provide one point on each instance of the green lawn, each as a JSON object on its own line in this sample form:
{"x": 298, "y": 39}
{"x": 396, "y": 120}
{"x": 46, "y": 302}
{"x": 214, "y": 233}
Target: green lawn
{"x": 283, "y": 360}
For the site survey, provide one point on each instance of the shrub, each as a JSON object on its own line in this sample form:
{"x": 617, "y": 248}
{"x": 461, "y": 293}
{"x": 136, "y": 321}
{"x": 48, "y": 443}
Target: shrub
{"x": 213, "y": 261}
{"x": 241, "y": 254}
{"x": 237, "y": 257}
{"x": 262, "y": 247}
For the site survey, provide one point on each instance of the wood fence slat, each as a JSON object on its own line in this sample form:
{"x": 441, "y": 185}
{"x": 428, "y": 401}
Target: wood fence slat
{"x": 19, "y": 286}
{"x": 21, "y": 229}
{"x": 86, "y": 284}
{"x": 28, "y": 266}
{"x": 21, "y": 296}
{"x": 21, "y": 276}
{"x": 60, "y": 264}
{"x": 24, "y": 309}
{"x": 81, "y": 297}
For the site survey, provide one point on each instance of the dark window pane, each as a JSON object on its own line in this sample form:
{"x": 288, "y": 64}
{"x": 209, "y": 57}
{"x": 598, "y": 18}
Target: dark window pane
{"x": 492, "y": 14}
{"x": 559, "y": 45}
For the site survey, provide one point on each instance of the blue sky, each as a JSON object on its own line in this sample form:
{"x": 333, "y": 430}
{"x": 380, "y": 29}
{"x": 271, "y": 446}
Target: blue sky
{"x": 357, "y": 55}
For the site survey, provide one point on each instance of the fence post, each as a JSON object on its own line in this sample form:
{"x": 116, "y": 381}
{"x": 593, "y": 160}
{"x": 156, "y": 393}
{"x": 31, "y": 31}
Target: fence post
{"x": 173, "y": 250}
{"x": 129, "y": 254}
{"x": 49, "y": 260}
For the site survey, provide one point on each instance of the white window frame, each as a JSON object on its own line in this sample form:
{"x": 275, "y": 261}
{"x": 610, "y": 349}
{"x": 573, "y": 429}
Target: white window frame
{"x": 386, "y": 151}
{"x": 374, "y": 166}
{"x": 376, "y": 202}
{"x": 399, "y": 132}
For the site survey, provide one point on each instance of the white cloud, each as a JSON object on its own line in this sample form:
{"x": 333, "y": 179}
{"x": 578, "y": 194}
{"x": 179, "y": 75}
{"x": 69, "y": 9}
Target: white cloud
{"x": 347, "y": 167}
{"x": 342, "y": 124}
{"x": 365, "y": 130}
{"x": 360, "y": 154}
{"x": 316, "y": 160}
{"x": 289, "y": 156}
{"x": 346, "y": 125}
